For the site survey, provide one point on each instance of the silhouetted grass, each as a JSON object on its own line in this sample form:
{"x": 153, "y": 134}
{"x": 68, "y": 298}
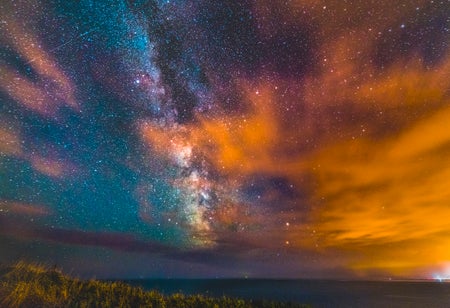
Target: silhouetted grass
{"x": 29, "y": 285}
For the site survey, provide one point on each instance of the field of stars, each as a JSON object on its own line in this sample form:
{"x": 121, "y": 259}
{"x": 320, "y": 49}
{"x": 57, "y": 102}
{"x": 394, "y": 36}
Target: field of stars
{"x": 201, "y": 138}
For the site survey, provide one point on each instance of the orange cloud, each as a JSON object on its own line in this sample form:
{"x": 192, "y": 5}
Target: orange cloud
{"x": 53, "y": 88}
{"x": 408, "y": 84}
{"x": 386, "y": 202}
{"x": 51, "y": 167}
{"x": 23, "y": 208}
{"x": 27, "y": 93}
{"x": 241, "y": 144}
{"x": 168, "y": 140}
{"x": 10, "y": 142}
{"x": 238, "y": 144}
{"x": 377, "y": 199}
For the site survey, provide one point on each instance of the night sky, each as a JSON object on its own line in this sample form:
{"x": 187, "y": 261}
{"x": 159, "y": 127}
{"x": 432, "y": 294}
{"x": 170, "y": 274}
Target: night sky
{"x": 250, "y": 138}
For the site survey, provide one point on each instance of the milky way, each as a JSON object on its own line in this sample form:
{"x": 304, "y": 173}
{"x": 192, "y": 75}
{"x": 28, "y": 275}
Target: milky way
{"x": 299, "y": 138}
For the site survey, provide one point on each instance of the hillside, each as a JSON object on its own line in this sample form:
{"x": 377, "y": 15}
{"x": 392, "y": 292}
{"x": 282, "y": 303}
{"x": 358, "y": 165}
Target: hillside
{"x": 29, "y": 285}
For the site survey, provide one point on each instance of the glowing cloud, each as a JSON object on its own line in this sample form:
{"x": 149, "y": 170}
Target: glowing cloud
{"x": 52, "y": 90}
{"x": 19, "y": 208}
{"x": 10, "y": 143}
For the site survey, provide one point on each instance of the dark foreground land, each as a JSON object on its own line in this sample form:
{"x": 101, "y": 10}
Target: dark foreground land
{"x": 27, "y": 285}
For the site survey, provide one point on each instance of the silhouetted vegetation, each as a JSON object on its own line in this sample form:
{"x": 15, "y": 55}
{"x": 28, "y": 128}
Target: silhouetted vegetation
{"x": 28, "y": 285}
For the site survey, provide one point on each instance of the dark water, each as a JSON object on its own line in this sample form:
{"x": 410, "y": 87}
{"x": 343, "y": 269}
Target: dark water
{"x": 317, "y": 293}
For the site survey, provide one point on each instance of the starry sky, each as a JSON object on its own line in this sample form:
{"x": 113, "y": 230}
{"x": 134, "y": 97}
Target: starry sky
{"x": 255, "y": 138}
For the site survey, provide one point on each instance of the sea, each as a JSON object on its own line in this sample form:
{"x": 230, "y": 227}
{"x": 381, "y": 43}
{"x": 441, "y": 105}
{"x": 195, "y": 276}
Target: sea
{"x": 317, "y": 293}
